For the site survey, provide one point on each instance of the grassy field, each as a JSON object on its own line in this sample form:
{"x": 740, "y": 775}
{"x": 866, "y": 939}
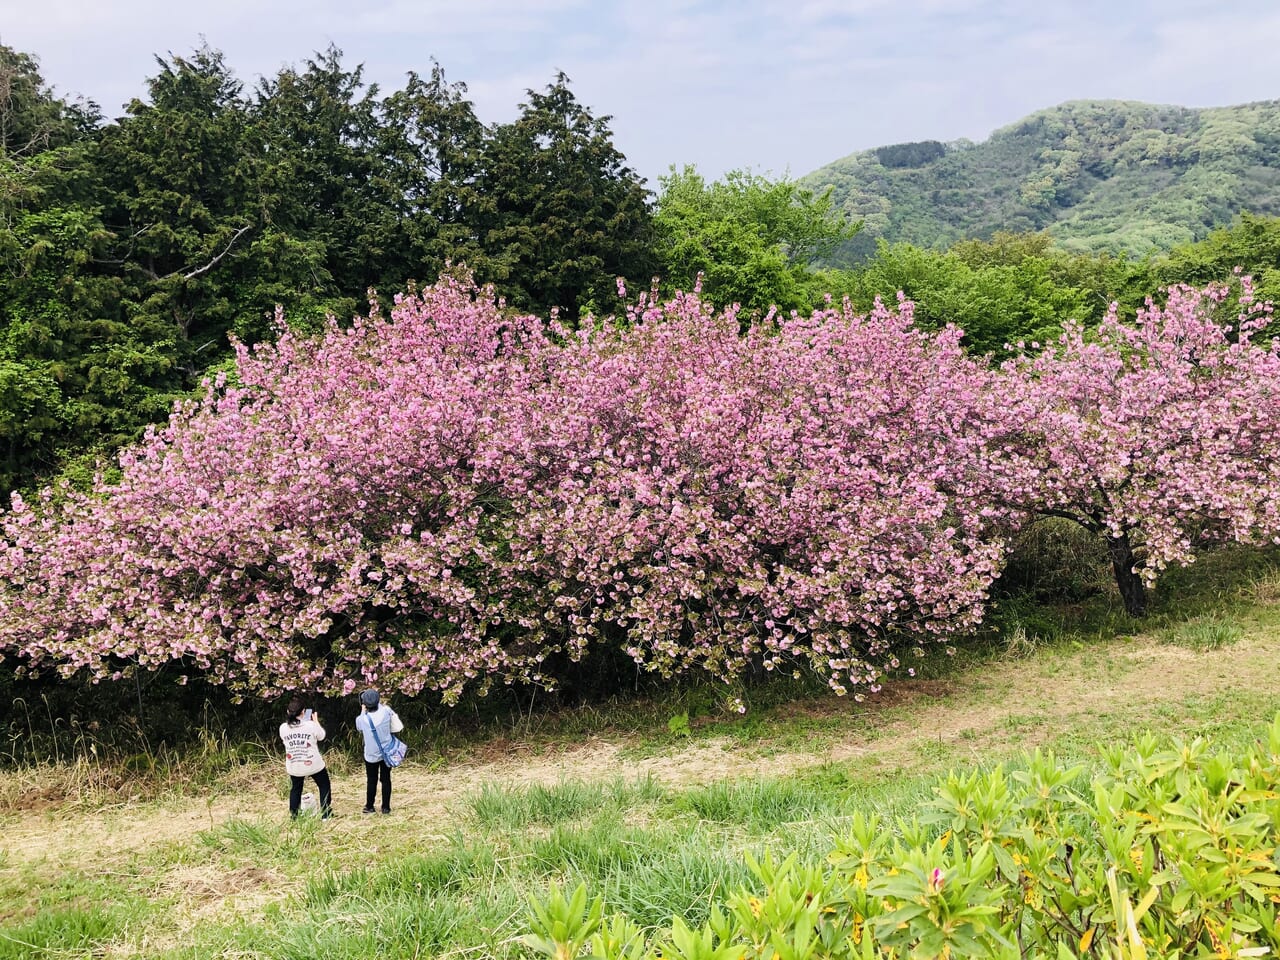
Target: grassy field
{"x": 654, "y": 805}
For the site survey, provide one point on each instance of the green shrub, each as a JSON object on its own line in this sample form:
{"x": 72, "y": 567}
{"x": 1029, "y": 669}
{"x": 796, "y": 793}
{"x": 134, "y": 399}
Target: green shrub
{"x": 1056, "y": 560}
{"x": 1170, "y": 851}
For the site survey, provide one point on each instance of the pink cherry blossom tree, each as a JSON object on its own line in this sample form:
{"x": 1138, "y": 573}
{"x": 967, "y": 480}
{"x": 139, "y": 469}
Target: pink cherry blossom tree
{"x": 453, "y": 496}
{"x": 1159, "y": 435}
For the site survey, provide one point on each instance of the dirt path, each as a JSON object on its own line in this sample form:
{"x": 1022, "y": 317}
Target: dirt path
{"x": 1008, "y": 705}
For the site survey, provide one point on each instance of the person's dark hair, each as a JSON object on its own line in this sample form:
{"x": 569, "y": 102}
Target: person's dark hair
{"x": 294, "y": 710}
{"x": 370, "y": 698}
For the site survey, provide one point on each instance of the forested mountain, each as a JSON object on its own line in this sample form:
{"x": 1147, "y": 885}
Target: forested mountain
{"x": 1107, "y": 175}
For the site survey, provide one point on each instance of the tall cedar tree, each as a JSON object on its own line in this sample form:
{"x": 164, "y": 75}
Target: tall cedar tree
{"x": 182, "y": 169}
{"x": 324, "y": 176}
{"x": 57, "y": 309}
{"x": 32, "y": 118}
{"x": 563, "y": 214}
{"x": 432, "y": 145}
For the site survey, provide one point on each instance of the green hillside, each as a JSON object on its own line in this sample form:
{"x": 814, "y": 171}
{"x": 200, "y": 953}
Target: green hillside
{"x": 1097, "y": 174}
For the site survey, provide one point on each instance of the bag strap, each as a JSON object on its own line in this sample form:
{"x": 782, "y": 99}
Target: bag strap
{"x": 373, "y": 728}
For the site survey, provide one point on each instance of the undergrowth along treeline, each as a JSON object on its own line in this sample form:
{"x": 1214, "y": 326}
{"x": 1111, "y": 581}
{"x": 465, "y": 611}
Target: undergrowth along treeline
{"x": 452, "y": 496}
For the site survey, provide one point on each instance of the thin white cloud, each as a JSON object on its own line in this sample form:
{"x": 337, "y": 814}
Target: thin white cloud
{"x": 718, "y": 83}
{"x": 445, "y": 18}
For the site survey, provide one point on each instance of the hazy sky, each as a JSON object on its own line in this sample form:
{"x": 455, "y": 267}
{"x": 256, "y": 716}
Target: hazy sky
{"x": 775, "y": 86}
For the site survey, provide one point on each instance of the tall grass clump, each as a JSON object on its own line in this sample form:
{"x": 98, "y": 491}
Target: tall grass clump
{"x": 516, "y": 807}
{"x": 758, "y": 804}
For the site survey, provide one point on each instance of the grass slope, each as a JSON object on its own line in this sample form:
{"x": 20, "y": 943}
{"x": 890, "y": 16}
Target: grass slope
{"x": 1106, "y": 175}
{"x": 655, "y": 820}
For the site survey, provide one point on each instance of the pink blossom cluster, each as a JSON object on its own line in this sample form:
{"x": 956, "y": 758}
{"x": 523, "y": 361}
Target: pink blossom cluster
{"x": 452, "y": 496}
{"x": 1159, "y": 434}
{"x": 445, "y": 497}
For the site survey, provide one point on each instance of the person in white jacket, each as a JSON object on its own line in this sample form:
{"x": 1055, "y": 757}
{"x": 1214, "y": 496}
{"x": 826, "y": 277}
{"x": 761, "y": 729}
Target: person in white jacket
{"x": 302, "y": 733}
{"x": 377, "y": 722}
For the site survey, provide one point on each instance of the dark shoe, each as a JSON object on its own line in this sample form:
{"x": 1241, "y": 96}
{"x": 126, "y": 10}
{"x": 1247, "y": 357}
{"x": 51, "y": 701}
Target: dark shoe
{"x": 367, "y": 810}
{"x": 384, "y": 810}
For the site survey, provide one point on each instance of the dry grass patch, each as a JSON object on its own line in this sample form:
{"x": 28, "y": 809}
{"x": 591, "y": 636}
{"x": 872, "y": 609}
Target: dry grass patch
{"x": 974, "y": 712}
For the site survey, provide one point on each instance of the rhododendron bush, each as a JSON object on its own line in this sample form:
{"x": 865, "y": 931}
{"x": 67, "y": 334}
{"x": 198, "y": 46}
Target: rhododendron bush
{"x": 446, "y": 497}
{"x": 450, "y": 496}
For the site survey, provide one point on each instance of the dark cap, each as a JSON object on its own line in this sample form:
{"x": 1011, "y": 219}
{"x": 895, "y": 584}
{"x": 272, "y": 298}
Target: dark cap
{"x": 369, "y": 698}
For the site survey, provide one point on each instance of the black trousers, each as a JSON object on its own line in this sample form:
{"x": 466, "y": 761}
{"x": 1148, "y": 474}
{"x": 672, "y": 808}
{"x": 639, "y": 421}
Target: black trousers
{"x": 321, "y": 777}
{"x": 373, "y": 772}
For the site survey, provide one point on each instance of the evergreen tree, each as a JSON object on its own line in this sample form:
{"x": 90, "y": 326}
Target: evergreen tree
{"x": 129, "y": 251}
{"x": 324, "y": 180}
{"x": 432, "y": 145}
{"x": 32, "y": 118}
{"x": 564, "y": 215}
{"x": 52, "y": 297}
{"x": 185, "y": 202}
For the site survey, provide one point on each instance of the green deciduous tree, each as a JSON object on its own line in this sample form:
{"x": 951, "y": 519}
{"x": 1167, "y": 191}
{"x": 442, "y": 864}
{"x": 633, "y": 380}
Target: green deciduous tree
{"x": 751, "y": 238}
{"x": 1252, "y": 243}
{"x": 1009, "y": 289}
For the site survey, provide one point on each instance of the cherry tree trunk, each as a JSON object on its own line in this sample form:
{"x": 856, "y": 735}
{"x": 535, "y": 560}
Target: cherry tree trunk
{"x": 1132, "y": 590}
